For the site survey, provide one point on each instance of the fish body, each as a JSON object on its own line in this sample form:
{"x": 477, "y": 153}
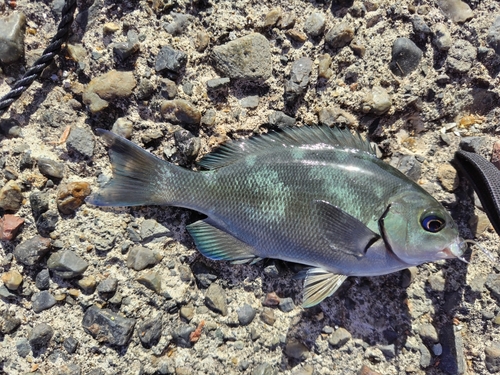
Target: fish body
{"x": 317, "y": 196}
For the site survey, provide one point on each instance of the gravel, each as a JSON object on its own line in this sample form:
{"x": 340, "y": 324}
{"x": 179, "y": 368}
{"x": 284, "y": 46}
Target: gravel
{"x": 229, "y": 70}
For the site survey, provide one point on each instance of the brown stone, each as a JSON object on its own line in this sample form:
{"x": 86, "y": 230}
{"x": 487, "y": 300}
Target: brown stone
{"x": 9, "y": 226}
{"x": 10, "y": 196}
{"x": 296, "y": 35}
{"x": 448, "y": 178}
{"x": 71, "y": 195}
{"x": 182, "y": 111}
{"x": 12, "y": 279}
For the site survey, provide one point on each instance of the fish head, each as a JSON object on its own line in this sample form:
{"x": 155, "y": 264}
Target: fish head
{"x": 418, "y": 229}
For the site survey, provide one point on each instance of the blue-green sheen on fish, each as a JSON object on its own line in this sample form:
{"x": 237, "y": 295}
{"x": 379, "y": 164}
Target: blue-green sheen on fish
{"x": 313, "y": 195}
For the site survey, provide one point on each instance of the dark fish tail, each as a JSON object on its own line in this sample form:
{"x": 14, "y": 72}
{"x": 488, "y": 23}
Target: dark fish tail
{"x": 139, "y": 177}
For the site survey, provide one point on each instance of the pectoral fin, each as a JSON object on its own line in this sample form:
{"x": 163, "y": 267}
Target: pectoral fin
{"x": 344, "y": 232}
{"x": 320, "y": 284}
{"x": 214, "y": 243}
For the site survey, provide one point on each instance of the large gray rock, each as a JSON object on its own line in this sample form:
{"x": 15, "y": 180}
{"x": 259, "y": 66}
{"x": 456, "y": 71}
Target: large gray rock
{"x": 67, "y": 264}
{"x": 248, "y": 58}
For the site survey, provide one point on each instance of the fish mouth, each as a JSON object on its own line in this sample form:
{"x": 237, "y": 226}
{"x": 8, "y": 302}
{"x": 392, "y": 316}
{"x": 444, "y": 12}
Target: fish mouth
{"x": 455, "y": 250}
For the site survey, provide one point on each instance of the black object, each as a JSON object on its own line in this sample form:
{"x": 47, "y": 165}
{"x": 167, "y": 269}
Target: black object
{"x": 485, "y": 179}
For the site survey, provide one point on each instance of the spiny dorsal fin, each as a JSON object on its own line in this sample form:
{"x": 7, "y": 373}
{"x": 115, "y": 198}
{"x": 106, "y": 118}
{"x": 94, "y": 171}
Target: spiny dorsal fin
{"x": 303, "y": 137}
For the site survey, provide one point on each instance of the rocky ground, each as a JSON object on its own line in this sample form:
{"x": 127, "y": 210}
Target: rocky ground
{"x": 89, "y": 290}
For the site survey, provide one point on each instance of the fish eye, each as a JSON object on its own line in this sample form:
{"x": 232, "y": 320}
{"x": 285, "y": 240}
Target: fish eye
{"x": 432, "y": 222}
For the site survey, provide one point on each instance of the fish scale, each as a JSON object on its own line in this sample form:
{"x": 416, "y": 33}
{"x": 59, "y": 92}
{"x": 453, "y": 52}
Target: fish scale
{"x": 316, "y": 196}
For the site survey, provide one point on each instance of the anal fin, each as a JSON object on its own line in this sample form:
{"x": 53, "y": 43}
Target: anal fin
{"x": 217, "y": 244}
{"x": 320, "y": 284}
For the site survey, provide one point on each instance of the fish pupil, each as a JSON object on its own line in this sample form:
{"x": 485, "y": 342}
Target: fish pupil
{"x": 432, "y": 223}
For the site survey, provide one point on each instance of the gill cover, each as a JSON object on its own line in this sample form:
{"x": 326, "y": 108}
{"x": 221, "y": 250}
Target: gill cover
{"x": 417, "y": 229}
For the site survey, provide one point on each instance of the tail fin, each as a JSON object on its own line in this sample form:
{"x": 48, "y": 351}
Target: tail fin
{"x": 138, "y": 176}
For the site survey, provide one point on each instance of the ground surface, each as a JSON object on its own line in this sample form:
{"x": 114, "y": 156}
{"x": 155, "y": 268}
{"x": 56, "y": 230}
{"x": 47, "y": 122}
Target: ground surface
{"x": 436, "y": 319}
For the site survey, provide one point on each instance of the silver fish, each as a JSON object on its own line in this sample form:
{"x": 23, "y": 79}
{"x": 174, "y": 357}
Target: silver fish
{"x": 313, "y": 195}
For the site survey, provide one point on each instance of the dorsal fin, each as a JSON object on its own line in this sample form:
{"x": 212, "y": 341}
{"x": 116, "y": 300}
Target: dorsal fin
{"x": 303, "y": 137}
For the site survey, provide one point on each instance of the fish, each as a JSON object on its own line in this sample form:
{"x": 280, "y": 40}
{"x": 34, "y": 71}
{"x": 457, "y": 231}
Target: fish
{"x": 317, "y": 196}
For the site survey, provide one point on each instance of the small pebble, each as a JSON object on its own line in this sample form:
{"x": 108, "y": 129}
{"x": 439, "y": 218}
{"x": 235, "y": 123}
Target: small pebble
{"x": 12, "y": 30}
{"x": 271, "y": 299}
{"x": 428, "y": 333}
{"x": 123, "y": 127}
{"x": 296, "y": 35}
{"x": 70, "y": 344}
{"x": 377, "y": 101}
{"x": 246, "y": 314}
{"x": 442, "y": 37}
{"x": 9, "y": 226}
{"x": 51, "y": 168}
{"x": 10, "y": 325}
{"x": 180, "y": 111}
{"x": 339, "y": 338}
{"x": 247, "y": 58}
{"x": 251, "y": 102}
{"x": 181, "y": 335}
{"x": 295, "y": 349}
{"x": 300, "y": 73}
{"x": 107, "y": 287}
{"x": 286, "y": 304}
{"x": 149, "y": 331}
{"x": 168, "y": 88}
{"x": 272, "y": 17}
{"x": 31, "y": 251}
{"x": 42, "y": 280}
{"x": 107, "y": 326}
{"x": 493, "y": 37}
{"x": 187, "y": 312}
{"x": 151, "y": 280}
{"x": 88, "y": 284}
{"x": 324, "y": 70}
{"x": 42, "y": 301}
{"x": 140, "y": 257}
{"x": 124, "y": 50}
{"x": 267, "y": 316}
{"x": 437, "y": 349}
{"x": 67, "y": 264}
{"x": 187, "y": 144}
{"x": 461, "y": 56}
{"x": 447, "y": 176}
{"x": 218, "y": 83}
{"x": 72, "y": 195}
{"x": 153, "y": 231}
{"x": 11, "y": 198}
{"x": 110, "y": 28}
{"x": 492, "y": 357}
{"x": 23, "y": 347}
{"x": 340, "y": 35}
{"x": 39, "y": 202}
{"x": 46, "y": 222}
{"x": 81, "y": 142}
{"x": 287, "y": 20}
{"x": 202, "y": 41}
{"x": 278, "y": 119}
{"x": 178, "y": 25}
{"x": 215, "y": 299}
{"x": 12, "y": 279}
{"x": 457, "y": 10}
{"x": 264, "y": 369}
{"x": 40, "y": 336}
{"x": 314, "y": 25}
{"x": 365, "y": 370}
{"x": 106, "y": 87}
{"x": 170, "y": 61}
{"x": 425, "y": 356}
{"x": 406, "y": 57}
